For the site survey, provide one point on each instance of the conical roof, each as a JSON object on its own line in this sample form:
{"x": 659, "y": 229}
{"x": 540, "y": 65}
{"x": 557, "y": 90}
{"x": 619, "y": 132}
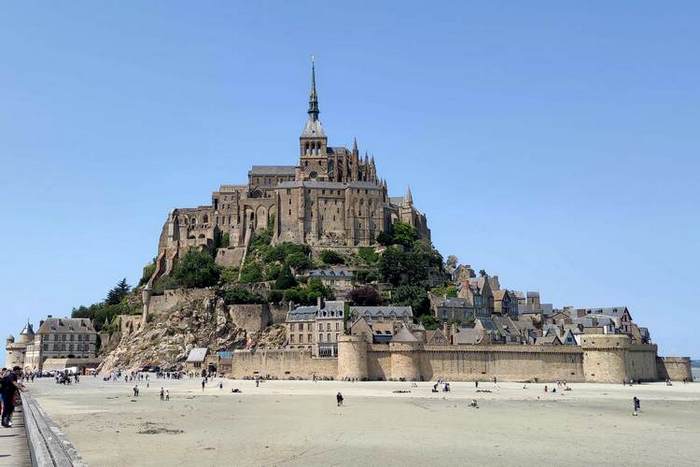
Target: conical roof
{"x": 404, "y": 335}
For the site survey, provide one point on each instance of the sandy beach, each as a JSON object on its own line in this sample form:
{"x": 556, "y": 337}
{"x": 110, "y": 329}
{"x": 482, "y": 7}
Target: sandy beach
{"x": 298, "y": 423}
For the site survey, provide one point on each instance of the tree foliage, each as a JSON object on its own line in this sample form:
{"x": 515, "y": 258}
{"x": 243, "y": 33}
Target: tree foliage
{"x": 196, "y": 269}
{"x": 413, "y": 296}
{"x": 239, "y": 295}
{"x": 118, "y": 292}
{"x": 365, "y": 295}
{"x": 331, "y": 257}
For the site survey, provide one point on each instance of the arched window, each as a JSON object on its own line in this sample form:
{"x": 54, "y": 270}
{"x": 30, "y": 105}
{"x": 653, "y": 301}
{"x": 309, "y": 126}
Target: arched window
{"x": 205, "y": 219}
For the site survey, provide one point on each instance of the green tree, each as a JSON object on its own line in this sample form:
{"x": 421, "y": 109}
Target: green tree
{"x": 196, "y": 269}
{"x": 285, "y": 279}
{"x": 368, "y": 254}
{"x": 404, "y": 234}
{"x": 365, "y": 296}
{"x": 429, "y": 322}
{"x": 239, "y": 295}
{"x": 118, "y": 292}
{"x": 298, "y": 261}
{"x": 229, "y": 275}
{"x": 251, "y": 272}
{"x": 331, "y": 257}
{"x": 413, "y": 296}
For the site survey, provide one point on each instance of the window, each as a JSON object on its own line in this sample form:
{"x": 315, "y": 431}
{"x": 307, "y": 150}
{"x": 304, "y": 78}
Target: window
{"x": 328, "y": 326}
{"x": 291, "y": 338}
{"x": 337, "y": 326}
{"x": 320, "y": 337}
{"x": 301, "y": 338}
{"x": 328, "y": 337}
{"x": 310, "y": 338}
{"x": 320, "y": 327}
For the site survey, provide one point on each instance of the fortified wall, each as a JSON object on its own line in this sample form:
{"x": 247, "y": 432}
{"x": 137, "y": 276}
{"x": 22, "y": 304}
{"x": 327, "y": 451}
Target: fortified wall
{"x": 600, "y": 359}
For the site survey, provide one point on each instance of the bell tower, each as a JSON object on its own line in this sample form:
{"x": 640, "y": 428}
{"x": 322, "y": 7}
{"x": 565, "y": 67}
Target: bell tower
{"x": 313, "y": 142}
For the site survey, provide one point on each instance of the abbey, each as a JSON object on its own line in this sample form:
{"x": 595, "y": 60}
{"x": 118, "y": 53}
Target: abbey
{"x": 333, "y": 198}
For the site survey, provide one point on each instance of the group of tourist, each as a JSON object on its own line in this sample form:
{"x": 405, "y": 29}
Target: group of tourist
{"x": 10, "y": 386}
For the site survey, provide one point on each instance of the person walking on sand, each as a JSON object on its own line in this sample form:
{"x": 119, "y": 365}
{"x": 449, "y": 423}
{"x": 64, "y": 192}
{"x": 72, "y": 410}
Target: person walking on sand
{"x": 637, "y": 405}
{"x": 136, "y": 391}
{"x": 162, "y": 393}
{"x": 167, "y": 395}
{"x": 339, "y": 399}
{"x": 204, "y": 381}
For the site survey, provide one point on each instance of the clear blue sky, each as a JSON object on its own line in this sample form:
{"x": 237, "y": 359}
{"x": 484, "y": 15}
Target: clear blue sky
{"x": 552, "y": 143}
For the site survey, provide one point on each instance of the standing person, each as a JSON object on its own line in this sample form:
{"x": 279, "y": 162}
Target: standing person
{"x": 204, "y": 381}
{"x": 10, "y": 385}
{"x": 162, "y": 394}
{"x": 637, "y": 404}
{"x": 339, "y": 399}
{"x": 167, "y": 395}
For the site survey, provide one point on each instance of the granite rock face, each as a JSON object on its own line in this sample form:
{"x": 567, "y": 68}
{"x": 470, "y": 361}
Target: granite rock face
{"x": 195, "y": 321}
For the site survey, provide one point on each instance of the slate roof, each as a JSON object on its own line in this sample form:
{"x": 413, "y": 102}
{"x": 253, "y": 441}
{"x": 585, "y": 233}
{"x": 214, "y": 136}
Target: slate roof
{"x": 467, "y": 336}
{"x": 548, "y": 340}
{"x": 197, "y": 354}
{"x": 66, "y": 325}
{"x": 402, "y": 312}
{"x": 273, "y": 170}
{"x": 404, "y": 335}
{"x": 454, "y": 303}
{"x": 331, "y": 273}
{"x": 302, "y": 313}
{"x": 614, "y": 311}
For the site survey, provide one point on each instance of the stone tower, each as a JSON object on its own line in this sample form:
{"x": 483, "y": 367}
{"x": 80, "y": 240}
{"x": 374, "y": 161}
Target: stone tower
{"x": 352, "y": 358}
{"x": 313, "y": 143}
{"x": 405, "y": 356}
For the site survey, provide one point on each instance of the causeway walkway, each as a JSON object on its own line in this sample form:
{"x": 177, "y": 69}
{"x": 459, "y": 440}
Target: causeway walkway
{"x": 14, "y": 448}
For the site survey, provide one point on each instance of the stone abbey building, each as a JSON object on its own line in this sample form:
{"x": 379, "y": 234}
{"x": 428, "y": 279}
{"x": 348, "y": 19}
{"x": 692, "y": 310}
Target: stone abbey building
{"x": 332, "y": 198}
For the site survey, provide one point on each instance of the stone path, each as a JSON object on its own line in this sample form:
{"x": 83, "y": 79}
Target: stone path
{"x": 14, "y": 449}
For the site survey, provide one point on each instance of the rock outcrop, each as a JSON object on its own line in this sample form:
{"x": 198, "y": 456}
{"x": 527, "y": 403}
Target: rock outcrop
{"x": 195, "y": 321}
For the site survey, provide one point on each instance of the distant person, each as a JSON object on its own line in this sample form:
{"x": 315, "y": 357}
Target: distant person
{"x": 473, "y": 404}
{"x": 221, "y": 384}
{"x": 339, "y": 399}
{"x": 545, "y": 388}
{"x": 257, "y": 382}
{"x": 637, "y": 406}
{"x": 9, "y": 385}
{"x": 167, "y": 395}
{"x": 162, "y": 394}
{"x": 476, "y": 384}
{"x": 136, "y": 390}
{"x": 204, "y": 381}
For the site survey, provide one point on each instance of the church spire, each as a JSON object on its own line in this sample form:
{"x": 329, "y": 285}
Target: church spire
{"x": 313, "y": 97}
{"x": 408, "y": 198}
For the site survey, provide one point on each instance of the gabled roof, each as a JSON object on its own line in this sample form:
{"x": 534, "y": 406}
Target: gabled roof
{"x": 402, "y": 312}
{"x": 66, "y": 325}
{"x": 548, "y": 340}
{"x": 467, "y": 336}
{"x": 197, "y": 354}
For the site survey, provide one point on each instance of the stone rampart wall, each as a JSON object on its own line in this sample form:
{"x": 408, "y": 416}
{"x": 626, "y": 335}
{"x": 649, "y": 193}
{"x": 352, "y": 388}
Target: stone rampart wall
{"x": 251, "y": 317}
{"x": 282, "y": 364}
{"x": 674, "y": 368}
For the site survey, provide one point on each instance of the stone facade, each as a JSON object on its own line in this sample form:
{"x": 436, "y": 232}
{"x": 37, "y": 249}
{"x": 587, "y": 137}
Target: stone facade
{"x": 333, "y": 198}
{"x": 61, "y": 339}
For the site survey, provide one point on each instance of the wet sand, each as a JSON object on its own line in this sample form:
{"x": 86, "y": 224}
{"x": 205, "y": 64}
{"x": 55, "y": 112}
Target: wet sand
{"x": 298, "y": 423}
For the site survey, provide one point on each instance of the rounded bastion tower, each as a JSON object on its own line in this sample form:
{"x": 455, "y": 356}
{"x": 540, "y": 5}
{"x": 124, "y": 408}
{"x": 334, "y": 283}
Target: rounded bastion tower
{"x": 352, "y": 358}
{"x": 604, "y": 357}
{"x": 404, "y": 356}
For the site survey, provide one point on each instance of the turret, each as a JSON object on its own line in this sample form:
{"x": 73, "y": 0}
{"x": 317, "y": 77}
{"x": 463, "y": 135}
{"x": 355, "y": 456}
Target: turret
{"x": 404, "y": 356}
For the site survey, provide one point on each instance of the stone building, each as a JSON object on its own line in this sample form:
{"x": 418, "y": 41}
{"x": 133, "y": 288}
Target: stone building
{"x": 316, "y": 328}
{"x": 332, "y": 198}
{"x": 61, "y": 341}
